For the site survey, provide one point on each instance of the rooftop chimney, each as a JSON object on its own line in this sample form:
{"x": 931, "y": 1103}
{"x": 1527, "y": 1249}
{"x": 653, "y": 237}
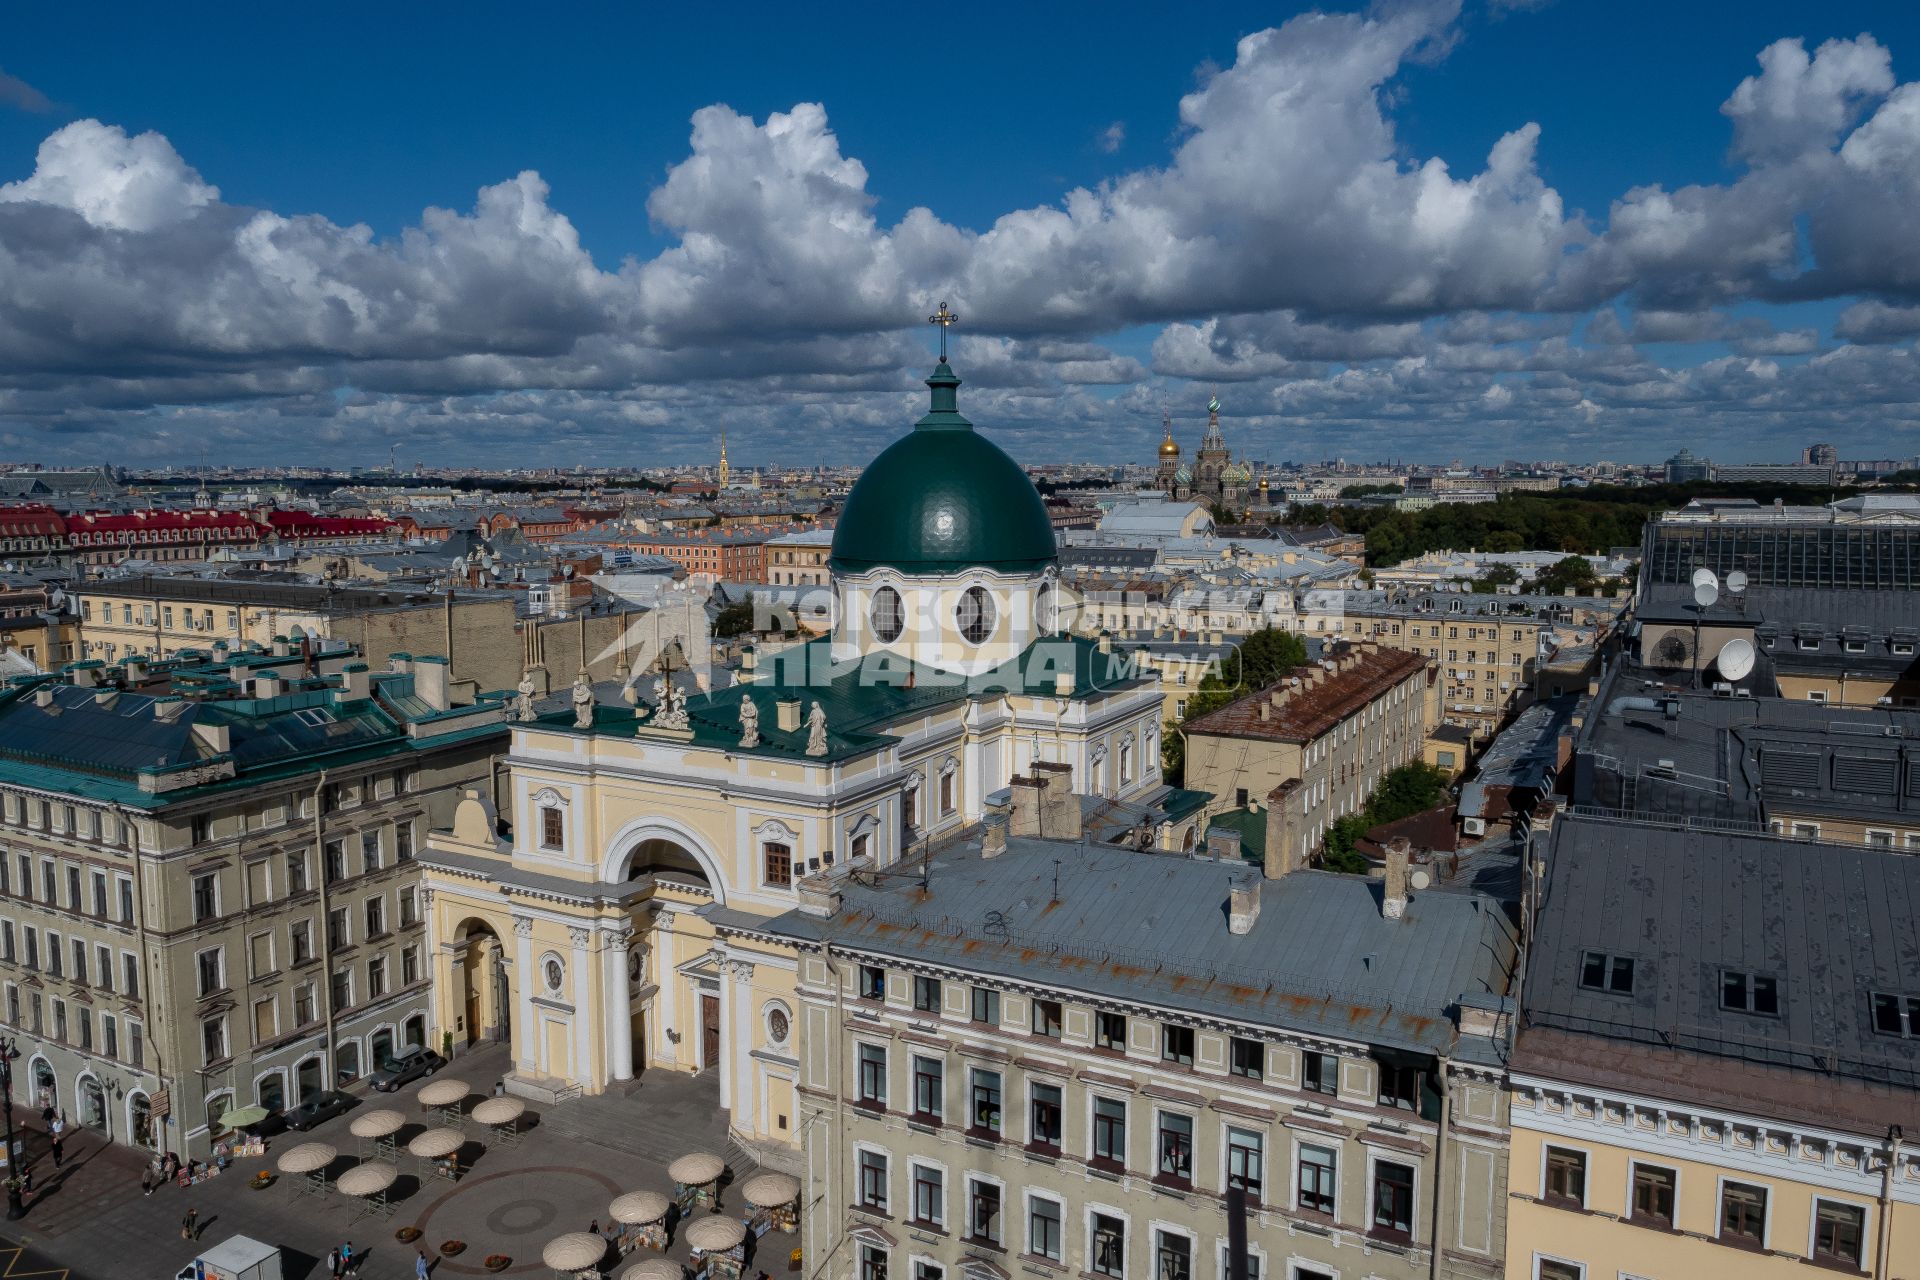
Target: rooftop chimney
{"x": 216, "y": 738}
{"x": 43, "y": 696}
{"x": 281, "y": 647}
{"x": 400, "y": 663}
{"x": 1063, "y": 684}
{"x": 430, "y": 682}
{"x": 993, "y": 835}
{"x": 266, "y": 686}
{"x": 356, "y": 684}
{"x": 1059, "y": 807}
{"x": 166, "y": 710}
{"x": 1024, "y": 818}
{"x": 1284, "y": 831}
{"x": 1243, "y": 905}
{"x": 83, "y": 675}
{"x": 1223, "y": 844}
{"x": 786, "y": 715}
{"x": 1393, "y": 899}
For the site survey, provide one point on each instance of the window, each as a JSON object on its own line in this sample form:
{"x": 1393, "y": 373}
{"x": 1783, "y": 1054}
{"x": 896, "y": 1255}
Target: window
{"x": 1749, "y": 993}
{"x": 1176, "y": 1044}
{"x": 335, "y": 854}
{"x": 1318, "y": 1169}
{"x": 886, "y": 615}
{"x": 974, "y": 615}
{"x": 929, "y": 1196}
{"x": 1044, "y": 1239}
{"x": 1109, "y": 1252}
{"x": 338, "y": 935}
{"x": 778, "y": 860}
{"x": 1246, "y": 1161}
{"x": 376, "y": 977}
{"x": 1247, "y": 1058}
{"x": 873, "y": 1263}
{"x": 409, "y": 908}
{"x": 132, "y": 970}
{"x": 73, "y": 889}
{"x": 1175, "y": 1143}
{"x": 1392, "y": 1198}
{"x": 370, "y": 850}
{"x": 873, "y": 1075}
{"x": 403, "y": 842}
{"x": 926, "y": 994}
{"x": 1602, "y": 972}
{"x": 300, "y": 937}
{"x": 109, "y": 1035}
{"x": 1110, "y": 1130}
{"x": 213, "y": 1040}
{"x": 409, "y": 965}
{"x": 986, "y": 1006}
{"x": 873, "y": 982}
{"x": 266, "y": 1020}
{"x": 60, "y": 1020}
{"x": 341, "y": 986}
{"x": 929, "y": 1088}
{"x": 983, "y": 1210}
{"x": 136, "y": 1044}
{"x": 1653, "y": 1188}
{"x": 99, "y": 891}
{"x": 1399, "y": 1085}
{"x": 1172, "y": 1256}
{"x": 303, "y": 1004}
{"x": 297, "y": 871}
{"x": 1046, "y": 1018}
{"x": 33, "y": 946}
{"x": 376, "y": 917}
{"x": 984, "y": 1106}
{"x": 206, "y": 898}
{"x": 1555, "y": 1269}
{"x": 946, "y": 794}
{"x": 209, "y": 967}
{"x": 1743, "y": 1213}
{"x": 102, "y": 958}
{"x": 1319, "y": 1072}
{"x": 873, "y": 1181}
{"x": 1896, "y": 1015}
{"x": 1839, "y": 1231}
{"x": 1566, "y": 1176}
{"x": 1046, "y": 1110}
{"x": 54, "y": 963}
{"x": 80, "y": 961}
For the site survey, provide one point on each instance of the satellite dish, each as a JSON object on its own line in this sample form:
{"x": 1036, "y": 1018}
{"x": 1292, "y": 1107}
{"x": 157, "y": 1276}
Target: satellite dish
{"x": 1705, "y": 593}
{"x": 1674, "y": 649}
{"x": 1704, "y": 577}
{"x": 1419, "y": 880}
{"x": 1735, "y": 658}
{"x": 1737, "y": 581}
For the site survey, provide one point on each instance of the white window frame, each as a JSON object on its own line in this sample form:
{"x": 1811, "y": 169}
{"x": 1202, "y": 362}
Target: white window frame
{"x": 1586, "y": 1169}
{"x": 1538, "y": 1258}
{"x": 1374, "y": 1158}
{"x": 1626, "y": 1213}
{"x": 1719, "y": 1206}
{"x": 914, "y": 1165}
{"x": 1128, "y": 1239}
{"x": 874, "y": 1149}
{"x": 1293, "y": 1172}
{"x": 1000, "y": 1184}
{"x": 1813, "y": 1227}
{"x": 1026, "y": 1224}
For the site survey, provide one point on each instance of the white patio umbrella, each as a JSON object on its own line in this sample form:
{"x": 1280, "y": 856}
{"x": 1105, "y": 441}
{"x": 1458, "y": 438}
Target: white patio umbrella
{"x": 308, "y": 1157}
{"x": 655, "y": 1269}
{"x": 638, "y": 1208}
{"x": 500, "y": 1110}
{"x": 697, "y": 1169}
{"x": 715, "y": 1234}
{"x": 368, "y": 1179}
{"x": 770, "y": 1190}
{"x": 575, "y": 1251}
{"x": 377, "y": 1124}
{"x": 436, "y": 1143}
{"x": 443, "y": 1093}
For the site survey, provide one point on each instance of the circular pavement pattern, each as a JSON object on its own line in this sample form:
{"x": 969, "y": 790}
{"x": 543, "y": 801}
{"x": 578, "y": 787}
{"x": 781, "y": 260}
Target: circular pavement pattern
{"x": 515, "y": 1208}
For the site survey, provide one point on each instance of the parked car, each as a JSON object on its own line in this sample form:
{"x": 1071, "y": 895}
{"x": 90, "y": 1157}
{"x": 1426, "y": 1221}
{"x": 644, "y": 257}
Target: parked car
{"x": 322, "y": 1106}
{"x": 412, "y": 1063}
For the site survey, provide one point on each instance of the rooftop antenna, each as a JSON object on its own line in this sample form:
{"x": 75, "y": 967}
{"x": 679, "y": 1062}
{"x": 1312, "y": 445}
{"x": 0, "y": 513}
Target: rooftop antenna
{"x": 1056, "y": 880}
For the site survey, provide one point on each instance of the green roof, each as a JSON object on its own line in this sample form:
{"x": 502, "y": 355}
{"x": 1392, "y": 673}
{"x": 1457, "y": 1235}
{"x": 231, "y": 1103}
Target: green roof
{"x": 943, "y": 498}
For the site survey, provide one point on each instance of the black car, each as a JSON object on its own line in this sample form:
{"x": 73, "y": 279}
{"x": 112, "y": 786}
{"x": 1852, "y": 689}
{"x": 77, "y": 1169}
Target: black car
{"x": 412, "y": 1063}
{"x": 322, "y": 1106}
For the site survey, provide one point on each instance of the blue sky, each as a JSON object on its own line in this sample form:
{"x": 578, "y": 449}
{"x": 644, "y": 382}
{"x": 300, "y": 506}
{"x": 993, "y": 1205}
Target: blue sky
{"x": 1280, "y": 241}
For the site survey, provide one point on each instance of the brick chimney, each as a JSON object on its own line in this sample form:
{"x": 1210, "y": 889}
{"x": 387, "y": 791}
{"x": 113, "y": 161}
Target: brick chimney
{"x": 993, "y": 835}
{"x": 1285, "y": 828}
{"x": 1059, "y": 807}
{"x": 1243, "y": 905}
{"x": 1223, "y": 844}
{"x": 430, "y": 682}
{"x": 1024, "y": 819}
{"x": 1393, "y": 896}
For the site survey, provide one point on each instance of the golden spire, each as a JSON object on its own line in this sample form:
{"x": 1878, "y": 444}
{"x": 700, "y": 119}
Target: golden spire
{"x": 1168, "y": 449}
{"x": 723, "y": 458}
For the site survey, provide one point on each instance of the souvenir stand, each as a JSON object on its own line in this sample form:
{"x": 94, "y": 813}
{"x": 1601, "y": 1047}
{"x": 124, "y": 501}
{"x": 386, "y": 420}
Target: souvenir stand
{"x": 376, "y": 1130}
{"x": 368, "y": 1183}
{"x": 655, "y": 1269}
{"x": 696, "y": 1180}
{"x": 576, "y": 1254}
{"x": 310, "y": 1159}
{"x": 438, "y": 1151}
{"x": 773, "y": 1203}
{"x": 503, "y": 1116}
{"x": 642, "y": 1216}
{"x": 719, "y": 1246}
{"x": 445, "y": 1096}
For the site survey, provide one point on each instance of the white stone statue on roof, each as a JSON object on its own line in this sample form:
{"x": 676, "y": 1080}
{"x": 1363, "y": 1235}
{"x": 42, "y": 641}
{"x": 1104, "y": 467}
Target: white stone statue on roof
{"x": 582, "y": 702}
{"x": 670, "y": 704}
{"x": 523, "y": 698}
{"x": 749, "y": 723}
{"x": 817, "y": 730}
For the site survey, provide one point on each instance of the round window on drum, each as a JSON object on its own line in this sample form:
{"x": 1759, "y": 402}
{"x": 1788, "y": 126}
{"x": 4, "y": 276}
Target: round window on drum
{"x": 886, "y": 615}
{"x": 975, "y": 615}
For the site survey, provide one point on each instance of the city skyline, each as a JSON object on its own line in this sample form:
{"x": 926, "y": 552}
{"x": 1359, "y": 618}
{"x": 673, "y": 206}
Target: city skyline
{"x": 1410, "y": 232}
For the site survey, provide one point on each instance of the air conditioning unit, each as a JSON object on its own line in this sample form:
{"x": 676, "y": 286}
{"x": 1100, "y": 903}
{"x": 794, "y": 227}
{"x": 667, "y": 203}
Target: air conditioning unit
{"x": 1473, "y": 826}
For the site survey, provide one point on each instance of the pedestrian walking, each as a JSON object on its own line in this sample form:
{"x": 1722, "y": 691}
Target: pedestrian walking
{"x": 333, "y": 1262}
{"x": 190, "y": 1225}
{"x": 348, "y": 1263}
{"x": 420, "y": 1265}
{"x": 58, "y": 1150}
{"x": 146, "y": 1180}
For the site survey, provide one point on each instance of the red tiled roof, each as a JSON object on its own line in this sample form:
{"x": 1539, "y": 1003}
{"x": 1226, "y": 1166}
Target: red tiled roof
{"x": 1311, "y": 710}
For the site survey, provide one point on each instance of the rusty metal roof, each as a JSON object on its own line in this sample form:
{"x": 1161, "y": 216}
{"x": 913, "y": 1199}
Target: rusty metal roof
{"x": 1360, "y": 676}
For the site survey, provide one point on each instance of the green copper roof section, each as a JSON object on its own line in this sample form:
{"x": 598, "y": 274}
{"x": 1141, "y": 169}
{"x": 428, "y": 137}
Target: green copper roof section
{"x": 943, "y": 498}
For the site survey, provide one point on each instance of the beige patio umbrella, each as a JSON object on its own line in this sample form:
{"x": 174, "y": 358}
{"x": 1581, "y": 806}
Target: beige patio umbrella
{"x": 437, "y": 1143}
{"x": 368, "y": 1179}
{"x": 308, "y": 1157}
{"x": 443, "y": 1093}
{"x": 655, "y": 1269}
{"x": 638, "y": 1208}
{"x": 575, "y": 1251}
{"x": 500, "y": 1110}
{"x": 377, "y": 1124}
{"x": 697, "y": 1169}
{"x": 770, "y": 1190}
{"x": 715, "y": 1234}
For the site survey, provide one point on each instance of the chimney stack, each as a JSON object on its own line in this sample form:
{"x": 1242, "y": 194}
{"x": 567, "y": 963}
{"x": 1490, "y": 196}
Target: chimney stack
{"x": 786, "y": 715}
{"x": 266, "y": 686}
{"x": 1284, "y": 831}
{"x": 1024, "y": 818}
{"x": 1223, "y": 844}
{"x": 1393, "y": 899}
{"x": 400, "y": 663}
{"x": 355, "y": 683}
{"x": 281, "y": 647}
{"x": 216, "y": 738}
{"x": 1243, "y": 905}
{"x": 83, "y": 675}
{"x": 430, "y": 682}
{"x": 993, "y": 835}
{"x": 1059, "y": 807}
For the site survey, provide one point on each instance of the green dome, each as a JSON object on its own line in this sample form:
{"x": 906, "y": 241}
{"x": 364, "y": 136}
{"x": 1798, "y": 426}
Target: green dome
{"x": 943, "y": 498}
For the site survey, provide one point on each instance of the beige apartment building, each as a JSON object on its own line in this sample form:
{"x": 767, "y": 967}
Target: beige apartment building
{"x": 1328, "y": 733}
{"x": 799, "y": 559}
{"x": 1052, "y": 1059}
{"x": 207, "y": 902}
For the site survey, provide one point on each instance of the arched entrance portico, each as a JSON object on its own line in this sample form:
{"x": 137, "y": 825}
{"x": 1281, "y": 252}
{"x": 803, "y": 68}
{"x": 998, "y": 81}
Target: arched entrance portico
{"x": 92, "y": 1101}
{"x": 485, "y": 1008}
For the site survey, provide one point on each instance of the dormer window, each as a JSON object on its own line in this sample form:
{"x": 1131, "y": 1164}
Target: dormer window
{"x": 1896, "y": 1015}
{"x": 1749, "y": 993}
{"x": 1600, "y": 971}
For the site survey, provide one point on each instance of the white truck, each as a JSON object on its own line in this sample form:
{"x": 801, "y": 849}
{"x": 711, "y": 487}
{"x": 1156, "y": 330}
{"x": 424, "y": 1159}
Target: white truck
{"x": 235, "y": 1258}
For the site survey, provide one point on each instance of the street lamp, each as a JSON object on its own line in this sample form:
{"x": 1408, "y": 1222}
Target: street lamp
{"x": 15, "y": 1210}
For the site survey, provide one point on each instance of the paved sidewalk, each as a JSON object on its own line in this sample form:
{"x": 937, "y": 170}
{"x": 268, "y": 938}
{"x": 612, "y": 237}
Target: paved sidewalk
{"x": 570, "y": 1163}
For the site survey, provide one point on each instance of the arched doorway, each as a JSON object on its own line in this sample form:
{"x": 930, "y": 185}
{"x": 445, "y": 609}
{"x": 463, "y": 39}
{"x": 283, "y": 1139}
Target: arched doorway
{"x": 414, "y": 1031}
{"x": 93, "y": 1104}
{"x": 307, "y": 1078}
{"x": 140, "y": 1120}
{"x": 46, "y": 1090}
{"x": 270, "y": 1091}
{"x": 379, "y": 1049}
{"x": 485, "y": 1003}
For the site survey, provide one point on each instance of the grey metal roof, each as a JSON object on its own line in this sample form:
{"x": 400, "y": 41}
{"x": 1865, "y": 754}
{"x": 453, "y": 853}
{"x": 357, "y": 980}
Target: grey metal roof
{"x": 1831, "y": 924}
{"x": 1151, "y": 929}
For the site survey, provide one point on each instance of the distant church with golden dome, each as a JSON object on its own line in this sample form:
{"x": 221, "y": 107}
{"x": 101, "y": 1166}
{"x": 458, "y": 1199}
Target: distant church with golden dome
{"x": 1214, "y": 476}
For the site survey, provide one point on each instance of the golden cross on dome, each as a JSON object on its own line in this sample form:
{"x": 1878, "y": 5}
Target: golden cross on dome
{"x": 946, "y": 320}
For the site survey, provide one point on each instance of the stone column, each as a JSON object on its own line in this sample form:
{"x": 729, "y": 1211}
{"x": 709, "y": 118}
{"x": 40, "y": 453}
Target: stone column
{"x": 669, "y": 982}
{"x": 737, "y": 1051}
{"x": 613, "y": 965}
{"x": 586, "y": 1072}
{"x": 527, "y": 1051}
